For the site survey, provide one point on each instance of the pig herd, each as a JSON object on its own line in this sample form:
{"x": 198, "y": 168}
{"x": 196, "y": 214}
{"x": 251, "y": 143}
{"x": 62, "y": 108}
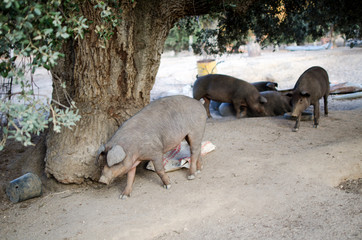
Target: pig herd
{"x": 164, "y": 123}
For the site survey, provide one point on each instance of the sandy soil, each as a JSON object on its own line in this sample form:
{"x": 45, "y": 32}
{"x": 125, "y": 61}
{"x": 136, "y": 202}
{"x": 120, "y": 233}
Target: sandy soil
{"x": 263, "y": 181}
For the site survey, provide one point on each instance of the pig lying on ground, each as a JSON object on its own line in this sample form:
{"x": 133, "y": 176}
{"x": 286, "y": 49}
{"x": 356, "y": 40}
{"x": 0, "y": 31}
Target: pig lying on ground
{"x": 311, "y": 86}
{"x": 265, "y": 86}
{"x": 277, "y": 104}
{"x": 223, "y": 88}
{"x": 153, "y": 131}
{"x": 261, "y": 86}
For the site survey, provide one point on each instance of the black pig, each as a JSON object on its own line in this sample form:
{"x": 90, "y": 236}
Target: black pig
{"x": 265, "y": 86}
{"x": 277, "y": 104}
{"x": 223, "y": 88}
{"x": 261, "y": 86}
{"x": 311, "y": 86}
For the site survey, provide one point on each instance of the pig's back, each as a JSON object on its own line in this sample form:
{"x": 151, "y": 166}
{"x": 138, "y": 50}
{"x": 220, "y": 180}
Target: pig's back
{"x": 218, "y": 87}
{"x": 165, "y": 121}
{"x": 315, "y": 81}
{"x": 173, "y": 109}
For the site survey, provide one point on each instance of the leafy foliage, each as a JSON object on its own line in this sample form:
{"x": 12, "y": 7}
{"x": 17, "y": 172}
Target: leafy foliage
{"x": 111, "y": 17}
{"x": 31, "y": 35}
{"x": 177, "y": 40}
{"x": 280, "y": 21}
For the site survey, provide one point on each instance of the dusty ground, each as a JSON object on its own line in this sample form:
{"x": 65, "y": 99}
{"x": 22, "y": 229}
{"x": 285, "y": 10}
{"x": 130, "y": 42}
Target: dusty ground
{"x": 263, "y": 181}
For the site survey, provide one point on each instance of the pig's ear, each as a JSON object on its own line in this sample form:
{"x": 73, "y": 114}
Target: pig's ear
{"x": 272, "y": 85}
{"x": 101, "y": 150}
{"x": 304, "y": 94}
{"x": 262, "y": 100}
{"x": 115, "y": 155}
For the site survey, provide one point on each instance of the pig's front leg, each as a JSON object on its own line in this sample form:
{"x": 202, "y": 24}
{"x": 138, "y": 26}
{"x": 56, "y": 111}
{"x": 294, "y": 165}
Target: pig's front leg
{"x": 130, "y": 180}
{"x": 297, "y": 122}
{"x": 160, "y": 170}
{"x": 240, "y": 109}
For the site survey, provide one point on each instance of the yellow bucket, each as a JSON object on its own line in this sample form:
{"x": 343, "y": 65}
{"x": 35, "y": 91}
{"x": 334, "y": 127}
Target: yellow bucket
{"x": 205, "y": 67}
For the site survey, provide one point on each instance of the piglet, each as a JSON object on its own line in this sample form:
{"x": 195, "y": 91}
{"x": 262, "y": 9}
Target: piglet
{"x": 153, "y": 131}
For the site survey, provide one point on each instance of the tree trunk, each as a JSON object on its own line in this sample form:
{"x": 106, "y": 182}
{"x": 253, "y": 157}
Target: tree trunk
{"x": 109, "y": 84}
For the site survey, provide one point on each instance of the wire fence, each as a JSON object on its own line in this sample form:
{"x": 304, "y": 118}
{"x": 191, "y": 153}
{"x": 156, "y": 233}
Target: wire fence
{"x": 5, "y": 87}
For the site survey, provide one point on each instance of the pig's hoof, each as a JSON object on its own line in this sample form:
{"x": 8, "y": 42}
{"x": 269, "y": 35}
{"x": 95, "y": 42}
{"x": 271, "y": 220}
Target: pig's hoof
{"x": 167, "y": 186}
{"x": 191, "y": 177}
{"x": 123, "y": 196}
{"x": 295, "y": 129}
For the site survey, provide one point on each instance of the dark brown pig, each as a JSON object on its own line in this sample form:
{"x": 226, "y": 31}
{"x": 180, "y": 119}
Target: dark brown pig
{"x": 223, "y": 88}
{"x": 261, "y": 86}
{"x": 156, "y": 129}
{"x": 277, "y": 104}
{"x": 311, "y": 86}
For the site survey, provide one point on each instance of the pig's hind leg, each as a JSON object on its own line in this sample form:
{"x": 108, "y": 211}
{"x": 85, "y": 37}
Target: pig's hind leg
{"x": 160, "y": 170}
{"x": 207, "y": 106}
{"x": 325, "y": 97}
{"x": 316, "y": 114}
{"x": 196, "y": 160}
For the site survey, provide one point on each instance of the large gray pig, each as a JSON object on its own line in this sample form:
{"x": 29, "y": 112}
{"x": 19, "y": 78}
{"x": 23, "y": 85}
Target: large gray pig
{"x": 156, "y": 129}
{"x": 311, "y": 86}
{"x": 223, "y": 88}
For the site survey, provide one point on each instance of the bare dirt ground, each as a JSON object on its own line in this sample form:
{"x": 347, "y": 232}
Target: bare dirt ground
{"x": 263, "y": 181}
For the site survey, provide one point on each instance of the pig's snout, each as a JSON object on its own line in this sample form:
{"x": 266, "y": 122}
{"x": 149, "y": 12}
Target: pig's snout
{"x": 261, "y": 110}
{"x": 295, "y": 114}
{"x": 104, "y": 180}
{"x": 106, "y": 176}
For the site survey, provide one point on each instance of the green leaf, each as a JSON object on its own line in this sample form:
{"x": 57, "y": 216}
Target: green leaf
{"x": 31, "y": 16}
{"x": 28, "y": 25}
{"x": 65, "y": 35}
{"x": 48, "y": 31}
{"x": 8, "y": 5}
{"x": 5, "y": 130}
{"x": 37, "y": 11}
{"x": 44, "y": 58}
{"x": 17, "y": 6}
{"x": 37, "y": 38}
